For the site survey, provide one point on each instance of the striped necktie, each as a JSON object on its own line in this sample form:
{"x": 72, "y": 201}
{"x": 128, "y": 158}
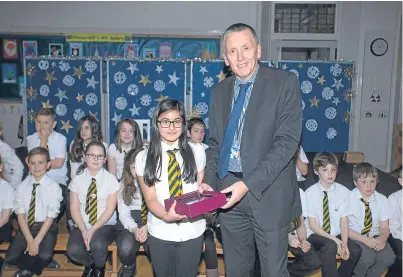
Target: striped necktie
{"x": 144, "y": 211}
{"x": 31, "y": 213}
{"x": 367, "y": 219}
{"x": 326, "y": 215}
{"x": 174, "y": 175}
{"x": 91, "y": 204}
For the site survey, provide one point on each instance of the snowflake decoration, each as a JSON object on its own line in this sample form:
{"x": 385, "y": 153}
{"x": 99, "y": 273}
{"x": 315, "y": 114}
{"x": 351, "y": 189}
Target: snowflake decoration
{"x": 159, "y": 85}
{"x": 311, "y": 125}
{"x": 295, "y": 72}
{"x": 336, "y": 69}
{"x": 348, "y": 72}
{"x": 90, "y": 66}
{"x": 303, "y": 104}
{"x": 331, "y": 133}
{"x": 43, "y": 65}
{"x": 330, "y": 113}
{"x": 208, "y": 82}
{"x": 61, "y": 110}
{"x": 64, "y": 66}
{"x": 68, "y": 80}
{"x": 327, "y": 93}
{"x": 313, "y": 72}
{"x": 119, "y": 77}
{"x": 151, "y": 112}
{"x": 133, "y": 90}
{"x": 121, "y": 103}
{"x": 146, "y": 100}
{"x": 202, "y": 107}
{"x": 306, "y": 87}
{"x": 78, "y": 114}
{"x": 44, "y": 90}
{"x": 31, "y": 93}
{"x": 91, "y": 99}
{"x": 206, "y": 121}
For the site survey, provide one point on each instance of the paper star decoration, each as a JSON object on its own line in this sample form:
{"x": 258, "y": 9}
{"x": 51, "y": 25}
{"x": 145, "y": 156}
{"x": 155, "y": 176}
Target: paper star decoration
{"x": 93, "y": 114}
{"x": 79, "y": 97}
{"x": 221, "y": 76}
{"x": 336, "y": 100}
{"x": 50, "y": 77}
{"x": 92, "y": 82}
{"x": 46, "y": 105}
{"x": 202, "y": 94}
{"x": 113, "y": 63}
{"x": 31, "y": 115}
{"x": 31, "y": 93}
{"x": 162, "y": 97}
{"x": 173, "y": 78}
{"x": 203, "y": 69}
{"x": 144, "y": 80}
{"x": 159, "y": 69}
{"x": 66, "y": 126}
{"x": 321, "y": 80}
{"x": 61, "y": 94}
{"x": 337, "y": 84}
{"x": 116, "y": 118}
{"x": 300, "y": 65}
{"x": 314, "y": 102}
{"x": 53, "y": 64}
{"x": 132, "y": 67}
{"x": 78, "y": 72}
{"x": 284, "y": 67}
{"x": 346, "y": 117}
{"x": 134, "y": 110}
{"x": 30, "y": 69}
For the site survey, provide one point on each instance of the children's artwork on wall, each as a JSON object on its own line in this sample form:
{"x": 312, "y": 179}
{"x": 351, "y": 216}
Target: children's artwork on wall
{"x": 9, "y": 73}
{"x": 208, "y": 51}
{"x": 55, "y": 49}
{"x": 130, "y": 50}
{"x": 30, "y": 48}
{"x": 165, "y": 51}
{"x": 76, "y": 49}
{"x": 149, "y": 53}
{"x": 97, "y": 51}
{"x": 10, "y": 49}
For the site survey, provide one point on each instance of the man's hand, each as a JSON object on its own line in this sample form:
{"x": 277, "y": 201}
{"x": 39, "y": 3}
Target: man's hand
{"x": 305, "y": 246}
{"x": 293, "y": 241}
{"x": 238, "y": 190}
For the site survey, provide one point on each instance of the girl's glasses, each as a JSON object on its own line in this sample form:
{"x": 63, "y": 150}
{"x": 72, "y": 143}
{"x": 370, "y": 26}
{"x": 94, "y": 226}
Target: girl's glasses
{"x": 95, "y": 157}
{"x": 167, "y": 123}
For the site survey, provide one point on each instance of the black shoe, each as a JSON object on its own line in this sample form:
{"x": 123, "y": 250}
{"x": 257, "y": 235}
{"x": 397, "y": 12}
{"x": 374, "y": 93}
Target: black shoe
{"x": 53, "y": 264}
{"x": 109, "y": 258}
{"x": 98, "y": 272}
{"x": 128, "y": 271}
{"x": 1, "y": 265}
{"x": 88, "y": 271}
{"x": 23, "y": 273}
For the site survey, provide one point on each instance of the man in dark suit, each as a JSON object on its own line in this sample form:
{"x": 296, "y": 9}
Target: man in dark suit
{"x": 254, "y": 125}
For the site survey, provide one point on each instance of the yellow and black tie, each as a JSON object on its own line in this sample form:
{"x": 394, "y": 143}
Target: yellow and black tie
{"x": 326, "y": 215}
{"x": 91, "y": 204}
{"x": 144, "y": 211}
{"x": 367, "y": 219}
{"x": 31, "y": 212}
{"x": 174, "y": 175}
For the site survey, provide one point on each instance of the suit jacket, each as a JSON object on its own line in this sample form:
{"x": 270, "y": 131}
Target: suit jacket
{"x": 271, "y": 132}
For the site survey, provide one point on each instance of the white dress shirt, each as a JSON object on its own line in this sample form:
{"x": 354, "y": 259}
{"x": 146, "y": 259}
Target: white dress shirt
{"x": 355, "y": 210}
{"x": 124, "y": 210}
{"x": 119, "y": 159}
{"x": 171, "y": 231}
{"x": 395, "y": 209}
{"x": 47, "y": 199}
{"x": 304, "y": 159}
{"x": 6, "y": 196}
{"x": 13, "y": 167}
{"x": 303, "y": 202}
{"x": 57, "y": 149}
{"x": 337, "y": 195}
{"x": 106, "y": 184}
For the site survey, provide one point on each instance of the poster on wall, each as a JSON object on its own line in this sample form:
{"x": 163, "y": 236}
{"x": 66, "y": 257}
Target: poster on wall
{"x": 9, "y": 73}
{"x": 131, "y": 50}
{"x": 76, "y": 49}
{"x": 165, "y": 51}
{"x": 30, "y": 48}
{"x": 149, "y": 53}
{"x": 56, "y": 49}
{"x": 10, "y": 49}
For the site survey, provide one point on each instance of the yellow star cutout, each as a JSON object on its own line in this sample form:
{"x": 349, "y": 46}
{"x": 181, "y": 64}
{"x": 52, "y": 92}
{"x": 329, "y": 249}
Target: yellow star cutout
{"x": 79, "y": 97}
{"x": 113, "y": 63}
{"x": 162, "y": 97}
{"x": 314, "y": 102}
{"x": 144, "y": 80}
{"x": 46, "y": 105}
{"x": 321, "y": 80}
{"x": 50, "y": 77}
{"x": 78, "y": 72}
{"x": 300, "y": 65}
{"x": 221, "y": 76}
{"x": 66, "y": 126}
{"x": 284, "y": 67}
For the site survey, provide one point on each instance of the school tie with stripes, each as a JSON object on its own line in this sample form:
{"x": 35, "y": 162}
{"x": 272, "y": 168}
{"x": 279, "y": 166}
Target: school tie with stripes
{"x": 326, "y": 215}
{"x": 144, "y": 211}
{"x": 91, "y": 204}
{"x": 367, "y": 219}
{"x": 31, "y": 213}
{"x": 174, "y": 175}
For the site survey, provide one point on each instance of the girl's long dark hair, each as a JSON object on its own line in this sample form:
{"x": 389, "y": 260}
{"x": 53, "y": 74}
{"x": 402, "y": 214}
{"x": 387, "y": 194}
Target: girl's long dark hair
{"x": 128, "y": 190}
{"x": 92, "y": 143}
{"x": 137, "y": 140}
{"x": 154, "y": 154}
{"x": 77, "y": 149}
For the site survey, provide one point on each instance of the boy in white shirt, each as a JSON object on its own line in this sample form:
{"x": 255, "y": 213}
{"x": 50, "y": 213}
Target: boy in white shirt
{"x": 368, "y": 218}
{"x": 196, "y": 131}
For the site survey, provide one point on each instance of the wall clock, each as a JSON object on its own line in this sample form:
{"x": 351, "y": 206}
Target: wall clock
{"x": 379, "y": 47}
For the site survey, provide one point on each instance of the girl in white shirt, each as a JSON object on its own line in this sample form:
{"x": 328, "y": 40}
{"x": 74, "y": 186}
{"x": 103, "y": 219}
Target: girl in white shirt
{"x": 132, "y": 225}
{"x": 6, "y": 206}
{"x": 175, "y": 242}
{"x": 93, "y": 199}
{"x": 127, "y": 137}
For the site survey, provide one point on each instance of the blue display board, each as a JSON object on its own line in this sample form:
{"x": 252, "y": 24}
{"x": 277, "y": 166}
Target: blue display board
{"x": 72, "y": 87}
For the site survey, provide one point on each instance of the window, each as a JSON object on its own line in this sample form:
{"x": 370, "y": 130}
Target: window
{"x": 302, "y": 50}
